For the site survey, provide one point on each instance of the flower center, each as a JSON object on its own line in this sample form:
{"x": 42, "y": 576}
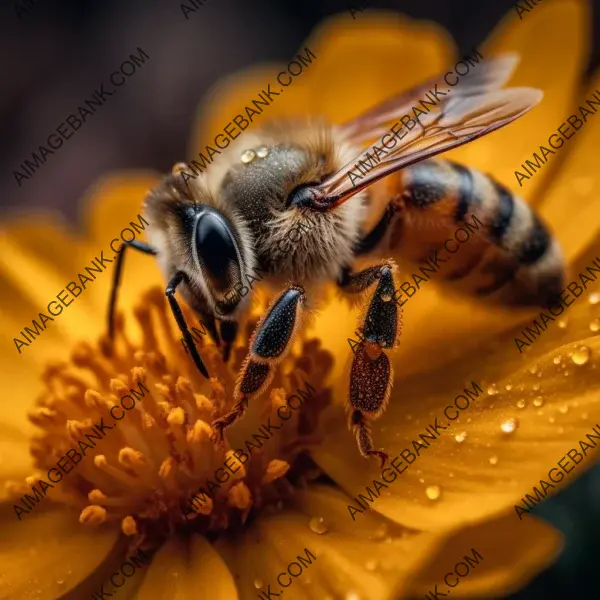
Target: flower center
{"x": 125, "y": 431}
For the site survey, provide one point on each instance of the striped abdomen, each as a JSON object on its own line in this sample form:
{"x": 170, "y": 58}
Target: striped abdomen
{"x": 489, "y": 242}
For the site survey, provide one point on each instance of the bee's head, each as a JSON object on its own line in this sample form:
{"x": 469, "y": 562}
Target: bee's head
{"x": 203, "y": 238}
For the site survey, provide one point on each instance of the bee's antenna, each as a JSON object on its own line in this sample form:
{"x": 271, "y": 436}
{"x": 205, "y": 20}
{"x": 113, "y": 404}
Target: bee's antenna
{"x": 112, "y": 305}
{"x": 178, "y": 278}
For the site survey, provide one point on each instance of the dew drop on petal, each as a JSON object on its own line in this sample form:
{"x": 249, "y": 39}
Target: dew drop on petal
{"x": 557, "y": 360}
{"x": 381, "y": 532}
{"x": 317, "y": 525}
{"x": 508, "y": 387}
{"x": 258, "y": 584}
{"x": 493, "y": 460}
{"x": 535, "y": 387}
{"x": 563, "y": 410}
{"x": 492, "y": 390}
{"x": 562, "y": 323}
{"x": 594, "y": 298}
{"x": 371, "y": 565}
{"x": 509, "y": 426}
{"x": 460, "y": 437}
{"x": 595, "y": 325}
{"x": 581, "y": 355}
{"x": 538, "y": 401}
{"x": 433, "y": 492}
{"x": 533, "y": 370}
{"x": 551, "y": 420}
{"x": 521, "y": 403}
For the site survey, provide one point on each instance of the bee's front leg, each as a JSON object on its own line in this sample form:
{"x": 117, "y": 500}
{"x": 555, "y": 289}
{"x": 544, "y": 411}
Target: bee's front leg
{"x": 269, "y": 344}
{"x": 371, "y": 373}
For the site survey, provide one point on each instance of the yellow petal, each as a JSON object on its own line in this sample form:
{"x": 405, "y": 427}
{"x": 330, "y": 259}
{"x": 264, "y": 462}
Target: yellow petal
{"x": 571, "y": 203}
{"x": 64, "y": 553}
{"x": 508, "y": 554}
{"x": 370, "y": 558}
{"x": 486, "y": 470}
{"x": 15, "y": 461}
{"x": 540, "y": 38}
{"x": 358, "y": 63}
{"x": 180, "y": 571}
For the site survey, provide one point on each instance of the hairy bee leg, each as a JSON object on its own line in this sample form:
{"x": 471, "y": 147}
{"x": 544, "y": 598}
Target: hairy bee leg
{"x": 112, "y": 305}
{"x": 371, "y": 372}
{"x": 269, "y": 344}
{"x": 359, "y": 425}
{"x": 178, "y": 278}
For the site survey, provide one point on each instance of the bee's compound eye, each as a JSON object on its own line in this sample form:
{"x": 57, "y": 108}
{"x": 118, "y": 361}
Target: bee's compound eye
{"x": 216, "y": 249}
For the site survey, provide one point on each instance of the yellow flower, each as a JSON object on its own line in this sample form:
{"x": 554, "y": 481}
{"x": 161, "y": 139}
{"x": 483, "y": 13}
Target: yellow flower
{"x": 129, "y": 493}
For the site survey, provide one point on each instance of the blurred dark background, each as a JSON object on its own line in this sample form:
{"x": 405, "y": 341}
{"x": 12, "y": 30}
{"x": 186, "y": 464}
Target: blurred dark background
{"x": 58, "y": 52}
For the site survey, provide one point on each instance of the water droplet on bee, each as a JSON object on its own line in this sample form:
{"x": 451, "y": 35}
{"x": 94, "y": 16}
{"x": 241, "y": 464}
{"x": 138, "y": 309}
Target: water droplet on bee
{"x": 317, "y": 525}
{"x": 509, "y": 426}
{"x": 581, "y": 355}
{"x": 460, "y": 437}
{"x": 492, "y": 390}
{"x": 521, "y": 403}
{"x": 248, "y": 156}
{"x": 262, "y": 152}
{"x": 433, "y": 492}
{"x": 493, "y": 460}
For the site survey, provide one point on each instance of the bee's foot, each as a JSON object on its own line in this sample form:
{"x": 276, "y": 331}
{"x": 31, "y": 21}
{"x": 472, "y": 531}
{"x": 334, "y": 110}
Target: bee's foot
{"x": 383, "y": 456}
{"x": 218, "y": 436}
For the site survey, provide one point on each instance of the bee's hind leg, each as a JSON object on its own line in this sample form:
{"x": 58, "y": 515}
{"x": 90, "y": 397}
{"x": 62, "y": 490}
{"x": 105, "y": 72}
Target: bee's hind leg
{"x": 269, "y": 344}
{"x": 371, "y": 373}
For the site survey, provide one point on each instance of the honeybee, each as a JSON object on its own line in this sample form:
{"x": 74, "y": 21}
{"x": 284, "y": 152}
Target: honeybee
{"x": 209, "y": 234}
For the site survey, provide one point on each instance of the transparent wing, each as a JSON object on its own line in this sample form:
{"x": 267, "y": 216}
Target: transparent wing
{"x": 475, "y": 107}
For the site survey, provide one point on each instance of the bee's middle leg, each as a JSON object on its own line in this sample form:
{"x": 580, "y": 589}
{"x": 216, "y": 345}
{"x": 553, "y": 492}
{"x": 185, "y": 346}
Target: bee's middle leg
{"x": 269, "y": 345}
{"x": 371, "y": 372}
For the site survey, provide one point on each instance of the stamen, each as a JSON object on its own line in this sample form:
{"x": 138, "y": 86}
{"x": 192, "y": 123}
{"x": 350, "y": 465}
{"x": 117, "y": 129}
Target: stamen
{"x": 128, "y": 526}
{"x": 93, "y": 515}
{"x": 159, "y": 453}
{"x": 239, "y": 496}
{"x": 275, "y": 470}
